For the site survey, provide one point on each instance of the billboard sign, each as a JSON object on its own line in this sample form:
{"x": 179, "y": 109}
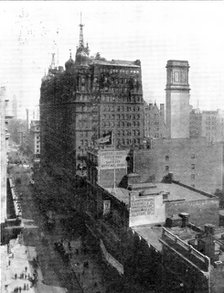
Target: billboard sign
{"x": 112, "y": 159}
{"x": 111, "y": 260}
{"x": 106, "y": 207}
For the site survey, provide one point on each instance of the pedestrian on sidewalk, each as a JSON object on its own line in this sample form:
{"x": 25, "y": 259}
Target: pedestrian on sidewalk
{"x": 15, "y": 276}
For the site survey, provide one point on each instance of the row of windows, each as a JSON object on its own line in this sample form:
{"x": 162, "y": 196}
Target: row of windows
{"x": 192, "y": 167}
{"x": 106, "y": 123}
{"x": 84, "y": 134}
{"x": 121, "y": 116}
{"x": 121, "y": 108}
{"x": 210, "y": 118}
{"x": 115, "y": 90}
{"x": 167, "y": 170}
{"x": 126, "y": 71}
{"x": 86, "y": 98}
{"x": 211, "y": 123}
{"x": 117, "y": 80}
{"x": 134, "y": 99}
{"x": 192, "y": 157}
{"x": 84, "y": 142}
{"x": 128, "y": 132}
{"x": 153, "y": 129}
{"x": 153, "y": 122}
{"x": 128, "y": 141}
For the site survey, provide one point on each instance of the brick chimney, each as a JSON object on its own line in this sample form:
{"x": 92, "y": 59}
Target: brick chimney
{"x": 209, "y": 229}
{"x": 185, "y": 219}
{"x": 208, "y": 240}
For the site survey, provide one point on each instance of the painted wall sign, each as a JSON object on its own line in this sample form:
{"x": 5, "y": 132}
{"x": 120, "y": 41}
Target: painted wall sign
{"x": 142, "y": 206}
{"x": 106, "y": 207}
{"x": 111, "y": 260}
{"x": 112, "y": 159}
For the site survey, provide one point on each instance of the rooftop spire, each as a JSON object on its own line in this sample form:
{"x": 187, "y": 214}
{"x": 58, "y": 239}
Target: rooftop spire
{"x": 81, "y": 40}
{"x": 52, "y": 66}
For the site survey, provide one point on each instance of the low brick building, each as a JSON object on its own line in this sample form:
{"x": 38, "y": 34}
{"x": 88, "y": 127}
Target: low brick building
{"x": 193, "y": 162}
{"x": 126, "y": 222}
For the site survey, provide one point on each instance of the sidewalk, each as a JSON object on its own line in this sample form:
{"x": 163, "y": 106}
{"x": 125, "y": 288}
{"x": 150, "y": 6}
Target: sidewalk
{"x": 17, "y": 270}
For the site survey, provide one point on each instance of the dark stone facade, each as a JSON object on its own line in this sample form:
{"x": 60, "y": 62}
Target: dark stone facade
{"x": 90, "y": 98}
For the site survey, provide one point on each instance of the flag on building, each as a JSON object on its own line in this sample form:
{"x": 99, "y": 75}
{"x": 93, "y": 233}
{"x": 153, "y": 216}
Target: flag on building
{"x": 105, "y": 139}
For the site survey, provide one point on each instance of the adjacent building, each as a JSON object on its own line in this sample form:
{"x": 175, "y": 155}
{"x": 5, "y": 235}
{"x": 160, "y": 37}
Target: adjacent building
{"x": 195, "y": 123}
{"x": 213, "y": 125}
{"x": 126, "y": 223}
{"x": 35, "y": 139}
{"x": 208, "y": 124}
{"x": 5, "y": 115}
{"x": 192, "y": 159}
{"x": 193, "y": 162}
{"x": 177, "y": 99}
{"x": 154, "y": 123}
{"x": 3, "y": 155}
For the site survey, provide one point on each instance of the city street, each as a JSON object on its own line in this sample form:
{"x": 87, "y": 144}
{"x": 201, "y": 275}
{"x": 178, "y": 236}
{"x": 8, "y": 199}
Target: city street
{"x": 55, "y": 271}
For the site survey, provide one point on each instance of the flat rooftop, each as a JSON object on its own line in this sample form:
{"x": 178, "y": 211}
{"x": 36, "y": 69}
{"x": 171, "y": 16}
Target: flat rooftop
{"x": 174, "y": 192}
{"x": 121, "y": 194}
{"x": 178, "y": 192}
{"x": 123, "y": 63}
{"x": 151, "y": 234}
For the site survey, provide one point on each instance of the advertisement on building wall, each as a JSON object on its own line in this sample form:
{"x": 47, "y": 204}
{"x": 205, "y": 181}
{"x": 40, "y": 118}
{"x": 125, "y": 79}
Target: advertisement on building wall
{"x": 111, "y": 260}
{"x": 146, "y": 210}
{"x": 106, "y": 207}
{"x": 112, "y": 159}
{"x": 142, "y": 206}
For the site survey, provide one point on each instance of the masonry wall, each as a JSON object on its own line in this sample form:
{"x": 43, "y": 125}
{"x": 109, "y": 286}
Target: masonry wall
{"x": 178, "y": 124}
{"x": 193, "y": 162}
{"x": 106, "y": 177}
{"x": 3, "y": 162}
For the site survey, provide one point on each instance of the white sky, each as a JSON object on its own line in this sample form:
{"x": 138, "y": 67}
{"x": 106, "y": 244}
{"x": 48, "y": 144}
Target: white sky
{"x": 153, "y": 32}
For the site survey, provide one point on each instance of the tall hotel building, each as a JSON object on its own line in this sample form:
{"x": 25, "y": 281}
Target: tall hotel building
{"x": 91, "y": 97}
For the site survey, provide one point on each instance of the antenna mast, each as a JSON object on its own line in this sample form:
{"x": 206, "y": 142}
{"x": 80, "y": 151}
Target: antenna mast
{"x": 81, "y": 39}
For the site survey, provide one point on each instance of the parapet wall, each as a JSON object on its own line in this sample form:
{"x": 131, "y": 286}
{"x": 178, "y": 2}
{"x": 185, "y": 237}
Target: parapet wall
{"x": 186, "y": 250}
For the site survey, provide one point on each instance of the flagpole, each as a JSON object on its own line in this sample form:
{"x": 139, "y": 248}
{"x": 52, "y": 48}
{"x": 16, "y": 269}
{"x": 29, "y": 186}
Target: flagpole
{"x": 114, "y": 165}
{"x": 114, "y": 146}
